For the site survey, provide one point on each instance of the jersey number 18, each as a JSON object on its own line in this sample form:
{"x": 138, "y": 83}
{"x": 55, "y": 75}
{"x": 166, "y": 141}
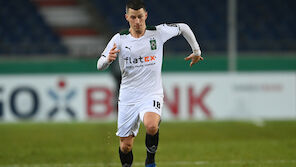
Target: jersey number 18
{"x": 156, "y": 104}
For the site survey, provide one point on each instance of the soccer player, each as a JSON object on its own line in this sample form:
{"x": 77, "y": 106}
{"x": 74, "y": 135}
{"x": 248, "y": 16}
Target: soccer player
{"x": 139, "y": 51}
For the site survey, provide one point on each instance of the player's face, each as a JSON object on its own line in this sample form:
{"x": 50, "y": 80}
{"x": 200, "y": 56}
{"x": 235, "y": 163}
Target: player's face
{"x": 137, "y": 19}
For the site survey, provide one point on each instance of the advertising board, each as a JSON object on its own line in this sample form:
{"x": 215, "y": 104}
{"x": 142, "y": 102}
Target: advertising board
{"x": 188, "y": 96}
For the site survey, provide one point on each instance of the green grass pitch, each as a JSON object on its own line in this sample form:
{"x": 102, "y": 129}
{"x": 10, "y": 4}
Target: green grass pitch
{"x": 182, "y": 144}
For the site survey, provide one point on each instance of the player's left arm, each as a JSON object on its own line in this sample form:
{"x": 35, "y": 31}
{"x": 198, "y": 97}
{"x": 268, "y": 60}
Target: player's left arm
{"x": 189, "y": 36}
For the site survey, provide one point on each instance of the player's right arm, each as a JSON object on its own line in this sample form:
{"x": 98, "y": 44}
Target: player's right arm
{"x": 109, "y": 54}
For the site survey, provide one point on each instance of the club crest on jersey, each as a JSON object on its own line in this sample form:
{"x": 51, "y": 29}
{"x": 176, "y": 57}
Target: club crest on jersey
{"x": 153, "y": 44}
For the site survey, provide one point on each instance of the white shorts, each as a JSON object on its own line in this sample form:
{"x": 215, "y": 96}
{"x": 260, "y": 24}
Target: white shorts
{"x": 131, "y": 115}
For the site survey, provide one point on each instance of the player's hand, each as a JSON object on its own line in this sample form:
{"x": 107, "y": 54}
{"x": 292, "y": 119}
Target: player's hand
{"x": 113, "y": 53}
{"x": 194, "y": 59}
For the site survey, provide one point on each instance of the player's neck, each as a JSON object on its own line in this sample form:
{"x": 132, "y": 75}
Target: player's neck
{"x": 137, "y": 34}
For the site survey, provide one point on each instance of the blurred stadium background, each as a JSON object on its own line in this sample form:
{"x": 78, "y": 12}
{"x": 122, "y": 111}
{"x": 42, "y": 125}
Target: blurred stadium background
{"x": 48, "y": 55}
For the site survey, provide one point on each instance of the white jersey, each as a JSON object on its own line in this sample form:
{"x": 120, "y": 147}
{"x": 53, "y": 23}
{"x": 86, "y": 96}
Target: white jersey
{"x": 140, "y": 61}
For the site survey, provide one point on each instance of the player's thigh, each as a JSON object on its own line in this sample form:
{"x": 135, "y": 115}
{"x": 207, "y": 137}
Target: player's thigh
{"x": 151, "y": 110}
{"x": 151, "y": 114}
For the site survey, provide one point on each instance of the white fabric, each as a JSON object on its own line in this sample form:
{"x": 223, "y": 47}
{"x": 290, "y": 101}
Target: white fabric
{"x": 140, "y": 64}
{"x": 131, "y": 115}
{"x": 189, "y": 36}
{"x": 140, "y": 61}
{"x": 103, "y": 63}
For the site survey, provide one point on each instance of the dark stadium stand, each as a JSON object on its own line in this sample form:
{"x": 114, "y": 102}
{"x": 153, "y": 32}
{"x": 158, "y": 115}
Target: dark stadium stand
{"x": 210, "y": 29}
{"x": 262, "y": 25}
{"x": 267, "y": 25}
{"x": 23, "y": 31}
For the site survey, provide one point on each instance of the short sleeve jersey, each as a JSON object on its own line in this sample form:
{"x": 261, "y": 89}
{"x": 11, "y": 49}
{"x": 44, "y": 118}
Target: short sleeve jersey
{"x": 140, "y": 61}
